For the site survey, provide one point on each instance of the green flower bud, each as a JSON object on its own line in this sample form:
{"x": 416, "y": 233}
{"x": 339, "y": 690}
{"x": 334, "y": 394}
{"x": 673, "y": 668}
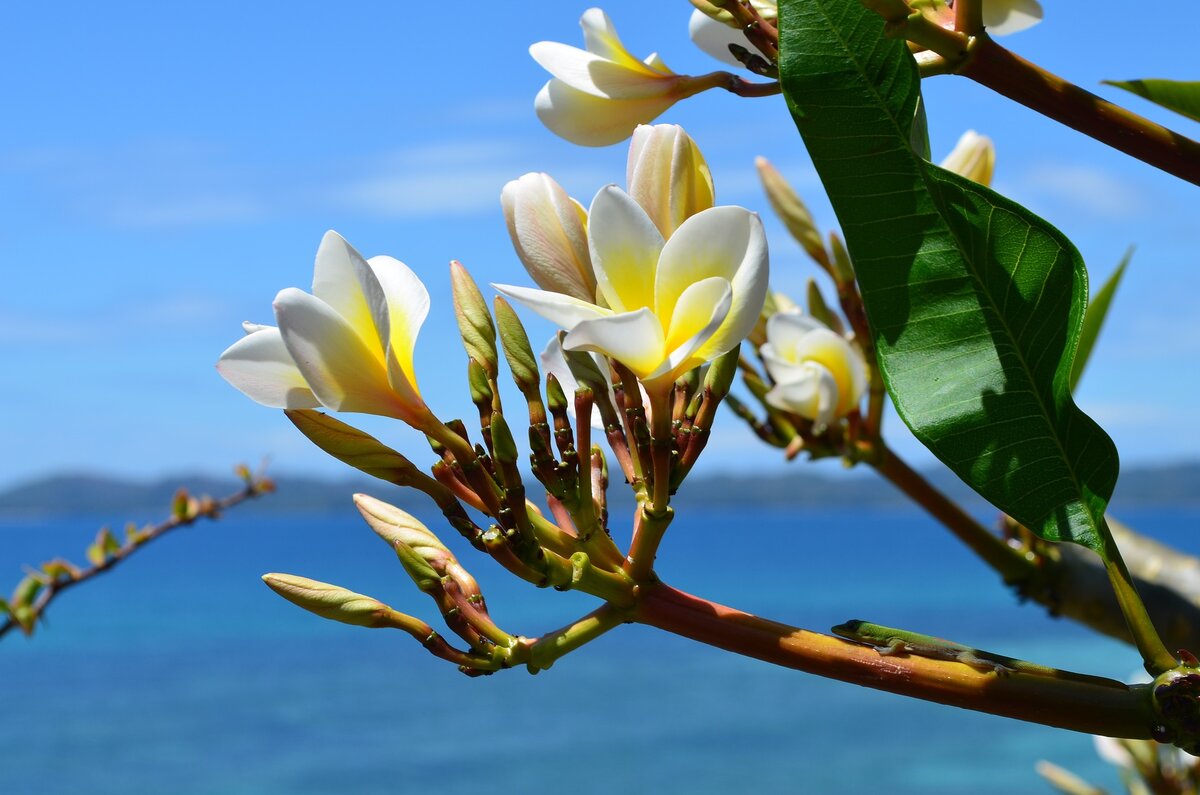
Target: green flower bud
{"x": 474, "y": 322}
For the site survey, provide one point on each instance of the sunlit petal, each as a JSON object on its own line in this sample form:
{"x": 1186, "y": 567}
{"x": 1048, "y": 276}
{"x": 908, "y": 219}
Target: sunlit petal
{"x": 728, "y": 242}
{"x": 625, "y": 247}
{"x": 667, "y": 175}
{"x": 601, "y": 77}
{"x": 588, "y": 120}
{"x": 1004, "y": 17}
{"x": 839, "y": 358}
{"x": 342, "y": 371}
{"x": 699, "y": 312}
{"x": 633, "y": 338}
{"x": 338, "y": 277}
{"x": 811, "y": 392}
{"x": 549, "y": 232}
{"x": 260, "y": 366}
{"x": 407, "y": 303}
{"x": 714, "y": 37}
{"x": 785, "y": 330}
{"x": 562, "y": 310}
{"x": 600, "y": 37}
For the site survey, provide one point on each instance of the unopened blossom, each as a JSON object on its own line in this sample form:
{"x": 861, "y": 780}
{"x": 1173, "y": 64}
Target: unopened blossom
{"x": 347, "y": 346}
{"x": 973, "y": 157}
{"x": 667, "y": 175}
{"x": 549, "y": 232}
{"x": 669, "y": 305}
{"x": 818, "y": 374}
{"x": 600, "y": 93}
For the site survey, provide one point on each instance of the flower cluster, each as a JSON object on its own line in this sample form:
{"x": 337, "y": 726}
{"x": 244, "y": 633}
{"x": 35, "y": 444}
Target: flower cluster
{"x": 677, "y": 281}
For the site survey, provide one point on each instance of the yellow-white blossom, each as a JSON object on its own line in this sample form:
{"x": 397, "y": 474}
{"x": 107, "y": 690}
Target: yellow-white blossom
{"x": 973, "y": 157}
{"x": 667, "y": 175}
{"x": 669, "y": 305}
{"x": 348, "y": 346}
{"x": 549, "y": 232}
{"x": 600, "y": 93}
{"x": 818, "y": 374}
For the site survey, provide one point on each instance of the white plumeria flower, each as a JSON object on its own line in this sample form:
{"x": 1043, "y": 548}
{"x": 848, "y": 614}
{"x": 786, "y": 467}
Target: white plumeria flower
{"x": 1005, "y": 17}
{"x": 670, "y": 305}
{"x": 549, "y": 232}
{"x": 973, "y": 157}
{"x": 818, "y": 374}
{"x": 599, "y": 94}
{"x": 713, "y": 36}
{"x": 667, "y": 175}
{"x": 348, "y": 346}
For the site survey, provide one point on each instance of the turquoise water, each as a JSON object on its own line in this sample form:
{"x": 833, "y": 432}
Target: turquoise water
{"x": 181, "y": 673}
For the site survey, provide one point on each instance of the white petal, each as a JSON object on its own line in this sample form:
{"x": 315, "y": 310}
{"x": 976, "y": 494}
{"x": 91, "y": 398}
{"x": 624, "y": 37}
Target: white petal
{"x": 625, "y": 246}
{"x": 600, "y": 37}
{"x": 633, "y": 338}
{"x": 1004, "y": 17}
{"x": 588, "y": 120}
{"x": 1111, "y": 751}
{"x": 728, "y": 242}
{"x": 407, "y": 303}
{"x": 785, "y": 330}
{"x": 549, "y": 232}
{"x": 714, "y": 37}
{"x": 561, "y": 310}
{"x": 260, "y": 366}
{"x": 809, "y": 391}
{"x": 338, "y": 277}
{"x": 841, "y": 360}
{"x": 596, "y": 75}
{"x": 554, "y": 362}
{"x": 341, "y": 370}
{"x": 699, "y": 312}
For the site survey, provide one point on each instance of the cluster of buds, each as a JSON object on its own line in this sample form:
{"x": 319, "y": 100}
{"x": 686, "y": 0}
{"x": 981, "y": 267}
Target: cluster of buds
{"x": 1145, "y": 767}
{"x": 655, "y": 289}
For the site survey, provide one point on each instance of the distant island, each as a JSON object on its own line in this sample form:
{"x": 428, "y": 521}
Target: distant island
{"x": 93, "y": 495}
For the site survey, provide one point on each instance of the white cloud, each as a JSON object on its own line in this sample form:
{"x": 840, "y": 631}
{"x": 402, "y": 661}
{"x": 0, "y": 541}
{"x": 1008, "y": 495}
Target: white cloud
{"x": 1092, "y": 190}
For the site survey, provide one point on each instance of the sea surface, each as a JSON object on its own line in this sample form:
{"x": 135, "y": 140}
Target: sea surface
{"x": 181, "y": 673}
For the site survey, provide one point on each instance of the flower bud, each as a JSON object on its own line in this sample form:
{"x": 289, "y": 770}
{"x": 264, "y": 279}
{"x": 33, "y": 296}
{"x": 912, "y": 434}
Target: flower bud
{"x": 667, "y": 175}
{"x": 791, "y": 210}
{"x": 973, "y": 157}
{"x": 549, "y": 232}
{"x": 329, "y": 601}
{"x": 515, "y": 341}
{"x": 474, "y": 322}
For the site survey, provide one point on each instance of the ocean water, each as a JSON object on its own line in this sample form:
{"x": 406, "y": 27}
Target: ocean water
{"x": 181, "y": 673}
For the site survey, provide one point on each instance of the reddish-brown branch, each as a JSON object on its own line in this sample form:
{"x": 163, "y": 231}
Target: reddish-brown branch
{"x": 1069, "y": 701}
{"x": 1016, "y": 78}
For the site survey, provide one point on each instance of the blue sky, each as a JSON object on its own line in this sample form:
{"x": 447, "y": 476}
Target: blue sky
{"x": 165, "y": 169}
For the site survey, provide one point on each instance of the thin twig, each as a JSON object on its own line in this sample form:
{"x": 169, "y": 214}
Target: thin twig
{"x": 205, "y": 509}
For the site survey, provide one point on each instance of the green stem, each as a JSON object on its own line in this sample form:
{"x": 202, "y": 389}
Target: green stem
{"x": 1145, "y": 636}
{"x": 548, "y": 648}
{"x": 991, "y": 65}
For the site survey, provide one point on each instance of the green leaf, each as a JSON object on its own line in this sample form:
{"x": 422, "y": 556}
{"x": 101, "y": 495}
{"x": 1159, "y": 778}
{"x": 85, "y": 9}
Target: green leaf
{"x": 1093, "y": 319}
{"x": 1181, "y": 96}
{"x": 975, "y": 303}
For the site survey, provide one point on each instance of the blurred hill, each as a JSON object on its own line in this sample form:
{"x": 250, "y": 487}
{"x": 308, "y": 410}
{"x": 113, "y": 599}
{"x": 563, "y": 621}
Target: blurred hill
{"x": 87, "y": 494}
